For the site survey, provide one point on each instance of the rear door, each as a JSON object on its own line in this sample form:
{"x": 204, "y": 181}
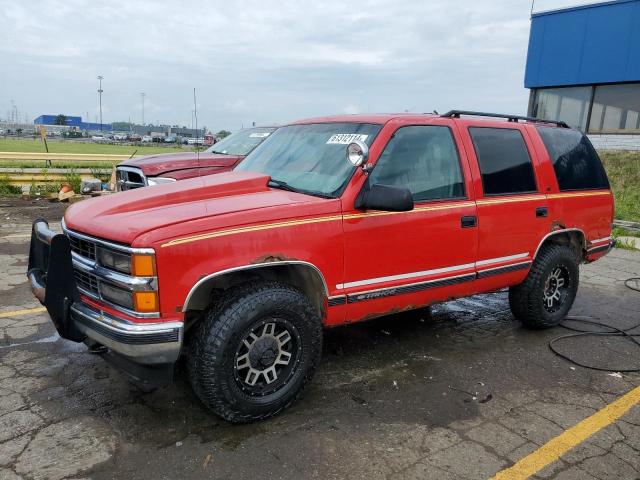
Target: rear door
{"x": 513, "y": 214}
{"x": 397, "y": 260}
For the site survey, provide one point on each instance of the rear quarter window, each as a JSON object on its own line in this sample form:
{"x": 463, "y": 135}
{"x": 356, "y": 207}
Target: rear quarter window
{"x": 575, "y": 161}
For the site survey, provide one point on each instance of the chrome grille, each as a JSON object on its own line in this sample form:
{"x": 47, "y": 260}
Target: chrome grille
{"x": 87, "y": 282}
{"x": 82, "y": 247}
{"x": 128, "y": 178}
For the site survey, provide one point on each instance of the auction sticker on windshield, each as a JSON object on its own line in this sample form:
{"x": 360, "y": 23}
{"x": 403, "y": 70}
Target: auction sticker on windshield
{"x": 259, "y": 135}
{"x": 346, "y": 138}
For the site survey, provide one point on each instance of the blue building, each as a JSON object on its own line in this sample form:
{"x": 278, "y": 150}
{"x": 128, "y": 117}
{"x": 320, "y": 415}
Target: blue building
{"x": 72, "y": 121}
{"x": 583, "y": 67}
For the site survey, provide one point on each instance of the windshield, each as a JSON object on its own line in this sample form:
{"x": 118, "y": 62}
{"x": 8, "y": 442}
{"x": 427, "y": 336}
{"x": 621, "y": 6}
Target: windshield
{"x": 242, "y": 142}
{"x": 310, "y": 158}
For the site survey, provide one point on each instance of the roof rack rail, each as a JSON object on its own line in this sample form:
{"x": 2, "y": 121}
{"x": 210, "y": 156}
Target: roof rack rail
{"x": 510, "y": 118}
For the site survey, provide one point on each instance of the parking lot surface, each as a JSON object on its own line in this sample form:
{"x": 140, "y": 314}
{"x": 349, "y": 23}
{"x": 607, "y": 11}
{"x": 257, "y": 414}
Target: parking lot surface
{"x": 458, "y": 392}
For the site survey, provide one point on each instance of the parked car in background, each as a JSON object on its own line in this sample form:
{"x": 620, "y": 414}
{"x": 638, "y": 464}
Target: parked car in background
{"x": 170, "y": 139}
{"x": 331, "y": 221}
{"x": 195, "y": 141}
{"x": 134, "y": 137}
{"x": 120, "y": 137}
{"x": 169, "y": 167}
{"x": 147, "y": 139}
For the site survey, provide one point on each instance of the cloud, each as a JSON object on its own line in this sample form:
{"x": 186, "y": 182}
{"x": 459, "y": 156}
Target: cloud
{"x": 262, "y": 61}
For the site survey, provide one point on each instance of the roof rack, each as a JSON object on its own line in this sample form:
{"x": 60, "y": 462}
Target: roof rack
{"x": 510, "y": 118}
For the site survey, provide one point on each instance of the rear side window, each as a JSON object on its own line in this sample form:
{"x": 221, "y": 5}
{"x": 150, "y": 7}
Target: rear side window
{"x": 575, "y": 161}
{"x": 423, "y": 159}
{"x": 504, "y": 161}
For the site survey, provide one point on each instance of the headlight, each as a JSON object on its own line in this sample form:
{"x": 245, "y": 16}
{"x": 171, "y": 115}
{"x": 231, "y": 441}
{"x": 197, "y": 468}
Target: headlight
{"x": 159, "y": 180}
{"x": 134, "y": 266}
{"x": 116, "y": 295}
{"x": 120, "y": 262}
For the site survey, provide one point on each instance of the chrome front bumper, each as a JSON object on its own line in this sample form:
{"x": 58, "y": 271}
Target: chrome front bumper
{"x": 146, "y": 343}
{"x": 52, "y": 279}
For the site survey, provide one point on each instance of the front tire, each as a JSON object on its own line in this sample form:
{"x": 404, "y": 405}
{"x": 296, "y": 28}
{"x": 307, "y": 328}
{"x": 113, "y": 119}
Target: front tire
{"x": 254, "y": 353}
{"x": 547, "y": 294}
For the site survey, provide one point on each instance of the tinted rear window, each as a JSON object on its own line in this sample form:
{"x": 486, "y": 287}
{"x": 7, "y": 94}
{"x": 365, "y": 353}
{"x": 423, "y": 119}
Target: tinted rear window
{"x": 504, "y": 161}
{"x": 575, "y": 161}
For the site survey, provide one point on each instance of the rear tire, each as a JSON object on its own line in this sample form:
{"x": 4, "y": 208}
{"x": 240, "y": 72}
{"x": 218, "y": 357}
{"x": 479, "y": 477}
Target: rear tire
{"x": 547, "y": 294}
{"x": 253, "y": 354}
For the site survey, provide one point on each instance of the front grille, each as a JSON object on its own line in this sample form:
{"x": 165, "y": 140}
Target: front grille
{"x": 86, "y": 281}
{"x": 129, "y": 179}
{"x": 84, "y": 248}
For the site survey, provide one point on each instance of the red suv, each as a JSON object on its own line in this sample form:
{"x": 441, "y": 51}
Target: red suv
{"x": 169, "y": 167}
{"x": 330, "y": 221}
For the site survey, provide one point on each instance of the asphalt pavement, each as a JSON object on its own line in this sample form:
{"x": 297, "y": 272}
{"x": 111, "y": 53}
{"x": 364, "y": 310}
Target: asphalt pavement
{"x": 460, "y": 391}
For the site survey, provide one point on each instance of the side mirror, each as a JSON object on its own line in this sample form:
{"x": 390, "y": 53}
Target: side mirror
{"x": 385, "y": 198}
{"x": 357, "y": 153}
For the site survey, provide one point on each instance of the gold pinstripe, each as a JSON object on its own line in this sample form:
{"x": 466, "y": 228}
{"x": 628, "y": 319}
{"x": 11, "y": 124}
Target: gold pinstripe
{"x": 353, "y": 216}
{"x": 252, "y": 228}
{"x": 578, "y": 194}
{"x": 492, "y": 201}
{"x": 428, "y": 208}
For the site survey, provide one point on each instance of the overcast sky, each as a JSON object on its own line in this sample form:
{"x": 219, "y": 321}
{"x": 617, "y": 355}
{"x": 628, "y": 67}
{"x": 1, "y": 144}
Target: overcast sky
{"x": 262, "y": 61}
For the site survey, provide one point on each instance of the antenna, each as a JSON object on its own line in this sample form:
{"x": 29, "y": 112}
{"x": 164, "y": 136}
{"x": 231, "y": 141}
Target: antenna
{"x": 195, "y": 115}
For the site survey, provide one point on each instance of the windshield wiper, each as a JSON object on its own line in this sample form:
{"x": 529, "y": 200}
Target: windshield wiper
{"x": 281, "y": 184}
{"x": 220, "y": 153}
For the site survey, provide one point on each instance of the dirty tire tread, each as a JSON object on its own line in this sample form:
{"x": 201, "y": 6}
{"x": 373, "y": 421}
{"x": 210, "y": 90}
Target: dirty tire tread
{"x": 525, "y": 298}
{"x": 211, "y": 343}
{"x": 193, "y": 345}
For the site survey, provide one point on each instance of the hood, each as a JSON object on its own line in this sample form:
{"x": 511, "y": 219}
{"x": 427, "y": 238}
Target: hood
{"x": 154, "y": 165}
{"x": 124, "y": 216}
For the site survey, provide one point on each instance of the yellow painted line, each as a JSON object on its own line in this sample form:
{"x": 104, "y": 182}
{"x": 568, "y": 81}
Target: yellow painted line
{"x": 18, "y": 235}
{"x": 555, "y": 448}
{"x": 17, "y": 313}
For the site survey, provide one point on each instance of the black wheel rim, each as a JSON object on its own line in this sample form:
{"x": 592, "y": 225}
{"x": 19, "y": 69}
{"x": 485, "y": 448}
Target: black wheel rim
{"x": 556, "y": 288}
{"x": 267, "y": 357}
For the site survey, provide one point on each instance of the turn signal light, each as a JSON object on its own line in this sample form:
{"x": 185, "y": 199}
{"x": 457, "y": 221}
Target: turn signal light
{"x": 145, "y": 302}
{"x": 143, "y": 265}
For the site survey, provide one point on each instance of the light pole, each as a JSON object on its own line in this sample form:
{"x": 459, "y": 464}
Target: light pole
{"x": 142, "y": 95}
{"x": 100, "y": 77}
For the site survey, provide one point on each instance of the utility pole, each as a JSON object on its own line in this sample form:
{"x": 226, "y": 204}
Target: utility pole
{"x": 100, "y": 77}
{"x": 142, "y": 95}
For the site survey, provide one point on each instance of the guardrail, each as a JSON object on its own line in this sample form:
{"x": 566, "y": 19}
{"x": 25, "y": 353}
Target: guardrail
{"x": 42, "y": 176}
{"x": 634, "y": 226}
{"x": 65, "y": 157}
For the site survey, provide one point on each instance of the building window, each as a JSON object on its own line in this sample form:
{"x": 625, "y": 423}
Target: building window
{"x": 616, "y": 109}
{"x": 505, "y": 164}
{"x": 570, "y": 105}
{"x": 423, "y": 159}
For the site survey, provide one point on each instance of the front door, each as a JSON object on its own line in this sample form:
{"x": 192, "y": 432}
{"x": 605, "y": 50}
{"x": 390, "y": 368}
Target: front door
{"x": 400, "y": 260}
